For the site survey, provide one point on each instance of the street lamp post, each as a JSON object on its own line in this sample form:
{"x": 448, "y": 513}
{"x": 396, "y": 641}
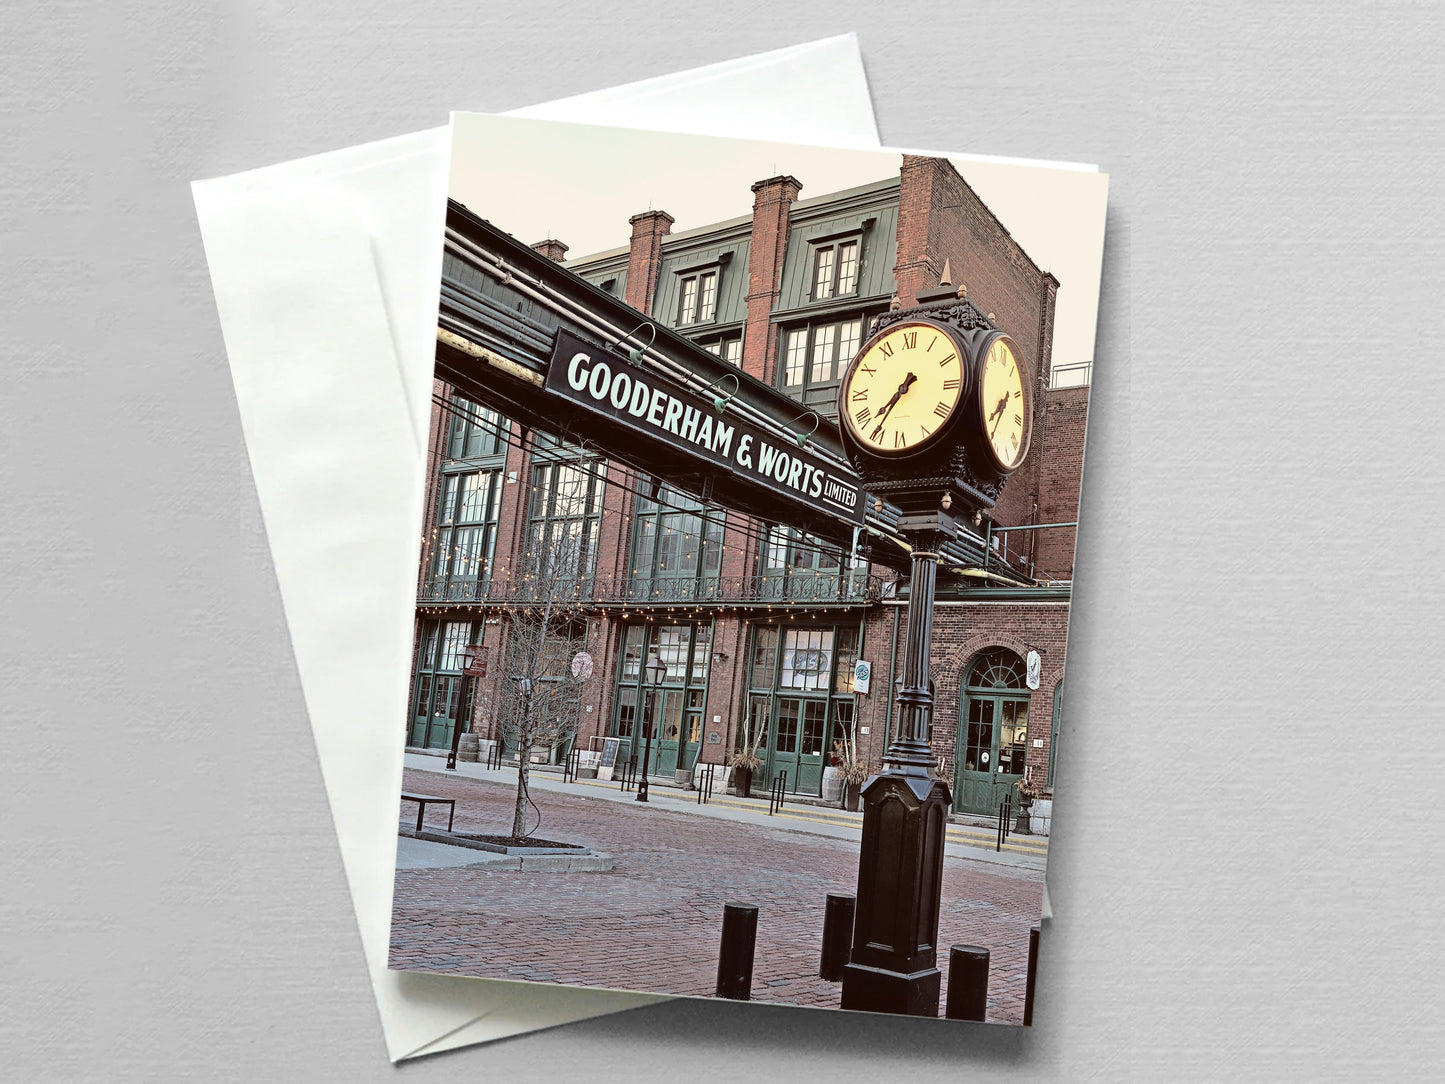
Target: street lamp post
{"x": 656, "y": 673}
{"x": 471, "y": 657}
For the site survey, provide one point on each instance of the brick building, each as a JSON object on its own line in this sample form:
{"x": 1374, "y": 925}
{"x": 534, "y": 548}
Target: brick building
{"x": 760, "y": 624}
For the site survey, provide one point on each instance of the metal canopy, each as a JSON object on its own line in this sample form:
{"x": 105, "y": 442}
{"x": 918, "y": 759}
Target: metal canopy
{"x": 502, "y": 307}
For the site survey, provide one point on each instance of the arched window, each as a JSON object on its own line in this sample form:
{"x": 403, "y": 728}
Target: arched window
{"x": 997, "y": 668}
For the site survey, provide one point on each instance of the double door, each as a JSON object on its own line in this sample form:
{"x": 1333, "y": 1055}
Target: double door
{"x": 676, "y": 727}
{"x": 992, "y": 744}
{"x": 792, "y": 731}
{"x": 438, "y": 698}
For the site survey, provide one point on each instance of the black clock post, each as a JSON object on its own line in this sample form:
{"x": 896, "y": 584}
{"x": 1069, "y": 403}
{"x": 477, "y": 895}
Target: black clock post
{"x": 900, "y": 866}
{"x": 935, "y": 471}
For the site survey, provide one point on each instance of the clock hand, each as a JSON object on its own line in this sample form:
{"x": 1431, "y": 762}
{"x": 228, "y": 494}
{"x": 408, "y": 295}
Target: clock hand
{"x": 888, "y": 406}
{"x": 997, "y": 414}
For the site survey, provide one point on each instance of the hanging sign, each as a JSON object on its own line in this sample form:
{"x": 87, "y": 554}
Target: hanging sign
{"x": 662, "y": 409}
{"x": 582, "y": 666}
{"x": 862, "y": 676}
{"x": 1032, "y": 668}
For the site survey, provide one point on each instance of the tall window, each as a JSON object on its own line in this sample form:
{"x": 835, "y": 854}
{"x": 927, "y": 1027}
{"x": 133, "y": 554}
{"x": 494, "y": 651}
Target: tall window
{"x": 729, "y": 348}
{"x": 697, "y": 298}
{"x": 835, "y": 270}
{"x": 475, "y": 430}
{"x": 676, "y": 547}
{"x": 566, "y": 511}
{"x": 794, "y": 565}
{"x": 817, "y": 355}
{"x": 466, "y": 533}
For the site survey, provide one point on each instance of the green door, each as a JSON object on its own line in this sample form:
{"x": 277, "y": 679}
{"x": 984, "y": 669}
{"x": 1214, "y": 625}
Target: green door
{"x": 436, "y": 711}
{"x": 795, "y": 744}
{"x": 667, "y": 733}
{"x": 992, "y": 743}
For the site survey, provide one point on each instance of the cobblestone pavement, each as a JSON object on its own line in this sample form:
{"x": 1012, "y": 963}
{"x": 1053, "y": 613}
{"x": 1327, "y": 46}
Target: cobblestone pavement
{"x": 653, "y": 923}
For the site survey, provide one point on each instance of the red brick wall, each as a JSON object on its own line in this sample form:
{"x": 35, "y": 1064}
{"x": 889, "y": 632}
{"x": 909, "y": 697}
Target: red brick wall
{"x": 960, "y": 632}
{"x": 1061, "y": 462}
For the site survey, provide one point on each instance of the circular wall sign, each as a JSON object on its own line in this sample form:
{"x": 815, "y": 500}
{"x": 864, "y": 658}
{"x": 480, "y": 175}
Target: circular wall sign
{"x": 582, "y": 666}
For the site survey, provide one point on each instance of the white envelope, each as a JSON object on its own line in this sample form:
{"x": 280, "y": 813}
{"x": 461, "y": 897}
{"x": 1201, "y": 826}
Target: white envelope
{"x": 326, "y": 272}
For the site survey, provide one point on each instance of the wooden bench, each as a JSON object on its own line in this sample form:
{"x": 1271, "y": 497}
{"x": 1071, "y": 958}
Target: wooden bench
{"x": 421, "y": 801}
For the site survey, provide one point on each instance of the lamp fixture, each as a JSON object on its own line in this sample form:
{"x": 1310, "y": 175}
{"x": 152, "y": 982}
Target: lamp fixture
{"x": 720, "y": 402}
{"x": 635, "y": 354}
{"x": 802, "y": 438}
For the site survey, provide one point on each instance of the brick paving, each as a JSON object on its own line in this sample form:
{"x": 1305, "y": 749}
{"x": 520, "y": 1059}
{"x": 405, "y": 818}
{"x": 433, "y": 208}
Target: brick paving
{"x": 653, "y": 923}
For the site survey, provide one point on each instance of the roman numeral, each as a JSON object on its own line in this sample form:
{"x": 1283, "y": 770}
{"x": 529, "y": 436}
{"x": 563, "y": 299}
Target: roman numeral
{"x": 886, "y": 349}
{"x": 910, "y": 339}
{"x": 863, "y": 416}
{"x": 865, "y": 369}
{"x": 950, "y": 385}
{"x": 948, "y": 360}
{"x": 931, "y": 345}
{"x": 1018, "y": 419}
{"x": 899, "y": 440}
{"x": 926, "y": 430}
{"x": 941, "y": 410}
{"x": 857, "y": 395}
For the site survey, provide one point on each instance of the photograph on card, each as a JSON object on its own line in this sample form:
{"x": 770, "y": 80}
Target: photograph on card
{"x": 745, "y": 570}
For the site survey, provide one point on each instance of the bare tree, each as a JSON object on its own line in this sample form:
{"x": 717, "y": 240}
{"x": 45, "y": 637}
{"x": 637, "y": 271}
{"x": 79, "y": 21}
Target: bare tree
{"x": 547, "y": 597}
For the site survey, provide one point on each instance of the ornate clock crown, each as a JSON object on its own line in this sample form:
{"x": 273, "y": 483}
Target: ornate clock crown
{"x": 950, "y": 468}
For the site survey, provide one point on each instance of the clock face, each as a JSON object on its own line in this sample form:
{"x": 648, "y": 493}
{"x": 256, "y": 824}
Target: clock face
{"x": 1003, "y": 400}
{"x": 903, "y": 389}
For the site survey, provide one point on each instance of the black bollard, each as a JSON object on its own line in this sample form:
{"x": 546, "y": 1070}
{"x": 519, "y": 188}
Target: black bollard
{"x": 735, "y": 953}
{"x": 967, "y": 983}
{"x": 837, "y": 935}
{"x": 1029, "y": 982}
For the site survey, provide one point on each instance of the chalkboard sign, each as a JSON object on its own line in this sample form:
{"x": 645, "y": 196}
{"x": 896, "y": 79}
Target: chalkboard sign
{"x": 609, "y": 752}
{"x": 609, "y": 758}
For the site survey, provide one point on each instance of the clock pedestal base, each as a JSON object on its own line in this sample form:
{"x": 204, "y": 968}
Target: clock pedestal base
{"x": 900, "y": 874}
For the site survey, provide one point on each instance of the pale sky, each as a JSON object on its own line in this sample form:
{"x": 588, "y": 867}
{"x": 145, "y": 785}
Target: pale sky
{"x": 581, "y": 183}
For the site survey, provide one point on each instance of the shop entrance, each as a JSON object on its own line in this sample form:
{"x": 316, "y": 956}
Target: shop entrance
{"x": 674, "y": 708}
{"x": 992, "y": 733}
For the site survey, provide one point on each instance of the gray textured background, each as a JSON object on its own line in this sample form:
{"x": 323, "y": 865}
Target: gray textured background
{"x": 1247, "y": 829}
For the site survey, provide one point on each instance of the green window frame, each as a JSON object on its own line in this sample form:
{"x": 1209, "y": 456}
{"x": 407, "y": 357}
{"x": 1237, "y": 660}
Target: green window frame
{"x": 465, "y": 533}
{"x": 565, "y": 508}
{"x": 677, "y": 544}
{"x": 835, "y": 269}
{"x": 475, "y": 431}
{"x": 437, "y": 685}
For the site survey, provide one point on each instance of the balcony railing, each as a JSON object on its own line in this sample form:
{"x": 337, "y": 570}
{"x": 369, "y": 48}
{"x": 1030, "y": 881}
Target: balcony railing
{"x": 1077, "y": 375}
{"x": 856, "y": 589}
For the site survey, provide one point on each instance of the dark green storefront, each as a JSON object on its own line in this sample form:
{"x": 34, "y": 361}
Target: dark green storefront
{"x": 800, "y": 699}
{"x": 677, "y": 705}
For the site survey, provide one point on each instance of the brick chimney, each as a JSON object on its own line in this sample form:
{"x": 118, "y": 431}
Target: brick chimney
{"x": 644, "y": 262}
{"x": 913, "y": 272}
{"x": 553, "y": 249}
{"x": 772, "y": 203}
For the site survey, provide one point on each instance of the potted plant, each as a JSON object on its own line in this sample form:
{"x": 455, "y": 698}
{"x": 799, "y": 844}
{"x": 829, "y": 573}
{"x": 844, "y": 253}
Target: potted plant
{"x": 1028, "y": 790}
{"x": 743, "y": 763}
